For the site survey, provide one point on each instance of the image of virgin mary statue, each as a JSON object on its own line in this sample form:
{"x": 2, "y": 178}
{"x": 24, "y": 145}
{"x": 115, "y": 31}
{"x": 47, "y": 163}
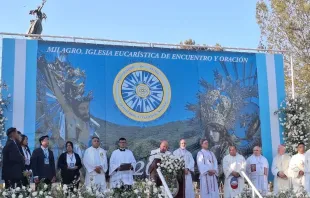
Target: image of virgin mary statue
{"x": 36, "y": 24}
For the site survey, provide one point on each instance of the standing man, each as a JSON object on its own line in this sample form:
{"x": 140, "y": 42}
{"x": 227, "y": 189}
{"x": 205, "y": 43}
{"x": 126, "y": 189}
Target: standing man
{"x": 208, "y": 168}
{"x": 297, "y": 168}
{"x": 279, "y": 169}
{"x": 163, "y": 149}
{"x": 154, "y": 159}
{"x": 43, "y": 163}
{"x": 189, "y": 167}
{"x": 19, "y": 137}
{"x": 96, "y": 164}
{"x": 307, "y": 171}
{"x": 122, "y": 165}
{"x": 257, "y": 169}
{"x": 233, "y": 164}
{"x": 13, "y": 161}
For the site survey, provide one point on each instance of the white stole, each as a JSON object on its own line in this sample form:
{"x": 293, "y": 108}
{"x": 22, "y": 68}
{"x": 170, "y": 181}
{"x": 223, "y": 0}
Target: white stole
{"x": 117, "y": 158}
{"x": 233, "y": 164}
{"x": 257, "y": 169}
{"x": 189, "y": 164}
{"x": 281, "y": 164}
{"x": 297, "y": 164}
{"x": 207, "y": 161}
{"x": 95, "y": 157}
{"x": 307, "y": 171}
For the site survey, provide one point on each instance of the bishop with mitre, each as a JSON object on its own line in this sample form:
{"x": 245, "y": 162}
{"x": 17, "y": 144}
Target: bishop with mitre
{"x": 189, "y": 167}
{"x": 122, "y": 164}
{"x": 96, "y": 164}
{"x": 208, "y": 169}
{"x": 297, "y": 168}
{"x": 233, "y": 164}
{"x": 279, "y": 169}
{"x": 257, "y": 169}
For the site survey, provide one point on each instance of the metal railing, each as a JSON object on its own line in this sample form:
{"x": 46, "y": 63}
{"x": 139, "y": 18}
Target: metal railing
{"x": 132, "y": 43}
{"x": 167, "y": 190}
{"x": 147, "y": 44}
{"x": 254, "y": 190}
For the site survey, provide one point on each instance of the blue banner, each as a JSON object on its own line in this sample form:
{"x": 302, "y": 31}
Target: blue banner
{"x": 146, "y": 95}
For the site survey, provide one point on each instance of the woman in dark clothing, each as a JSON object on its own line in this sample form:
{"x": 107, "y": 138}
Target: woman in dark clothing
{"x": 25, "y": 151}
{"x": 70, "y": 165}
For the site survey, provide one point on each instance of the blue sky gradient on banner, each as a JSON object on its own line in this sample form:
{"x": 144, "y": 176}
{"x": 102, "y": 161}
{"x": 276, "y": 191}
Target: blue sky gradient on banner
{"x": 183, "y": 76}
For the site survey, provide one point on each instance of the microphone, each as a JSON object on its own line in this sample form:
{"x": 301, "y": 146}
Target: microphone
{"x": 149, "y": 156}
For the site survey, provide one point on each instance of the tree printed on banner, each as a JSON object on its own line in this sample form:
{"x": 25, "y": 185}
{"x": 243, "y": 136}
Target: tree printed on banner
{"x": 4, "y": 102}
{"x": 294, "y": 116}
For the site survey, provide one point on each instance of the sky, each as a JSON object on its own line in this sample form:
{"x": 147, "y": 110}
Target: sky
{"x": 183, "y": 78}
{"x": 229, "y": 23}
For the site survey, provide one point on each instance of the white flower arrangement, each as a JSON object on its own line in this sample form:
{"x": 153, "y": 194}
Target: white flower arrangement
{"x": 26, "y": 192}
{"x": 140, "y": 189}
{"x": 171, "y": 166}
{"x": 290, "y": 193}
{"x": 294, "y": 116}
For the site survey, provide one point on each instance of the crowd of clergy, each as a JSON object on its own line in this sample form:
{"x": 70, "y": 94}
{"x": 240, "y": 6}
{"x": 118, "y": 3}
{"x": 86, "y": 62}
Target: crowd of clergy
{"x": 20, "y": 166}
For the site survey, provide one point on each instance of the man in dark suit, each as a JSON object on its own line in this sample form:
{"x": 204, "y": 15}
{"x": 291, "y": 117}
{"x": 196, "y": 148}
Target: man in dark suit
{"x": 13, "y": 161}
{"x": 43, "y": 163}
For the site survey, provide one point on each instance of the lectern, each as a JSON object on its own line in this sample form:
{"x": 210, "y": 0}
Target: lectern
{"x": 154, "y": 177}
{"x": 153, "y": 173}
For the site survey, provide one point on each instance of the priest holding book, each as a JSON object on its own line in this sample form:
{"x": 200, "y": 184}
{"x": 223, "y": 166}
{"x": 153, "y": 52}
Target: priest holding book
{"x": 257, "y": 169}
{"x": 122, "y": 165}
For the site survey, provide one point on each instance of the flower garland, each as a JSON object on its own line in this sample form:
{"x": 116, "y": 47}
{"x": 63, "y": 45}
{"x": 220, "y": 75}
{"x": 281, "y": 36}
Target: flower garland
{"x": 294, "y": 116}
{"x": 140, "y": 189}
{"x": 290, "y": 193}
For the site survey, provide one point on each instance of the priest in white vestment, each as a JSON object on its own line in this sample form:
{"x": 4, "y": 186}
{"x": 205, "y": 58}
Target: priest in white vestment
{"x": 96, "y": 165}
{"x": 208, "y": 169}
{"x": 233, "y": 164}
{"x": 297, "y": 169}
{"x": 121, "y": 156}
{"x": 163, "y": 149}
{"x": 189, "y": 167}
{"x": 307, "y": 171}
{"x": 257, "y": 168}
{"x": 279, "y": 169}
